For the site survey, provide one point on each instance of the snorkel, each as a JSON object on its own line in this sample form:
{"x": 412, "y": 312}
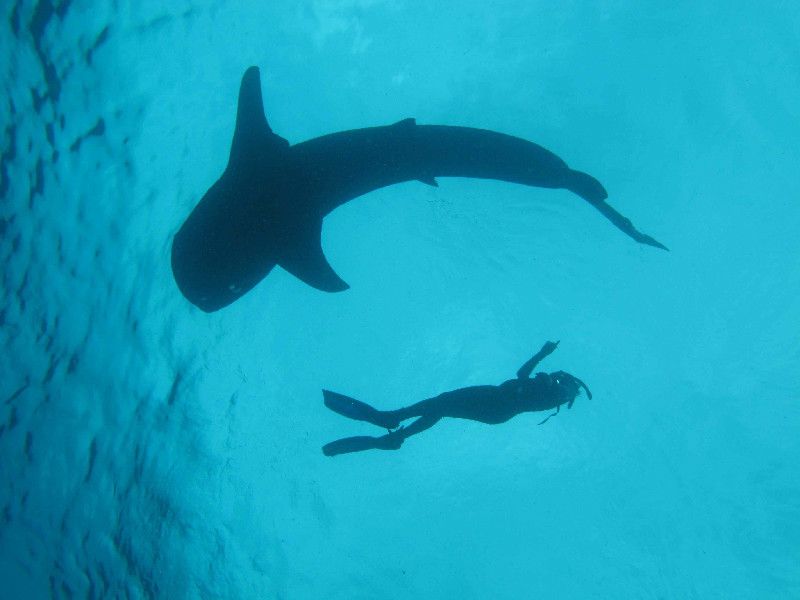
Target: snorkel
{"x": 563, "y": 380}
{"x": 562, "y": 377}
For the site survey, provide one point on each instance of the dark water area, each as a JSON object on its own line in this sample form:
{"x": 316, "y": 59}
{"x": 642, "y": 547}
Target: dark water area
{"x": 151, "y": 450}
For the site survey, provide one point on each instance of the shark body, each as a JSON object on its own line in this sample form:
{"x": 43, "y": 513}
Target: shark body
{"x": 268, "y": 206}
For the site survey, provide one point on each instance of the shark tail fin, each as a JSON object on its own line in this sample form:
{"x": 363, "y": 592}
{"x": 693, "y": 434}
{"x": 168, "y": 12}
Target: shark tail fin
{"x": 586, "y": 186}
{"x": 591, "y": 190}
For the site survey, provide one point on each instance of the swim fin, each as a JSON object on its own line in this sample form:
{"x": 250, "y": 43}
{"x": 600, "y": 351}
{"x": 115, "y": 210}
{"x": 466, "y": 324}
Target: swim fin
{"x": 357, "y": 410}
{"x": 350, "y": 444}
{"x": 390, "y": 441}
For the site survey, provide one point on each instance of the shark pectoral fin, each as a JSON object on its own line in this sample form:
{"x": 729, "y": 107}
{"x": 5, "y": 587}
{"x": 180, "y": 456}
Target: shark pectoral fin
{"x": 429, "y": 181}
{"x": 306, "y": 261}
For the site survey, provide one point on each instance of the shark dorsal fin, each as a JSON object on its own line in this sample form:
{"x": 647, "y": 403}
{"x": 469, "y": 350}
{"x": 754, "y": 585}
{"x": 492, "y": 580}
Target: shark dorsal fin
{"x": 304, "y": 259}
{"x": 252, "y": 131}
{"x": 410, "y": 122}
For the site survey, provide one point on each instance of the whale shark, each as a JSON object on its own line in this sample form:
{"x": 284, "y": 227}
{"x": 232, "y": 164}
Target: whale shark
{"x": 267, "y": 208}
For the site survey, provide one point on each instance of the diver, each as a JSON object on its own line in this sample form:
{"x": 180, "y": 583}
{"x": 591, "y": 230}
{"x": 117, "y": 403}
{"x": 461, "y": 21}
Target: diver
{"x": 485, "y": 403}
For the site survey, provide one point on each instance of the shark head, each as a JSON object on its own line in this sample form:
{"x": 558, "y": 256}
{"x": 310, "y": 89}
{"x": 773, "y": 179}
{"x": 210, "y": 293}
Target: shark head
{"x": 218, "y": 254}
{"x": 224, "y": 249}
{"x": 253, "y": 218}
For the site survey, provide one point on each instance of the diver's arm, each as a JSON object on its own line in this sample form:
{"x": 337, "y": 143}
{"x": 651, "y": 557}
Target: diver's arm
{"x": 526, "y": 369}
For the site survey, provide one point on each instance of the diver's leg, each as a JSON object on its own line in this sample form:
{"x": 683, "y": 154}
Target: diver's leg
{"x": 418, "y": 426}
{"x": 390, "y": 419}
{"x": 477, "y": 402}
{"x": 391, "y": 441}
{"x": 428, "y": 407}
{"x": 357, "y": 410}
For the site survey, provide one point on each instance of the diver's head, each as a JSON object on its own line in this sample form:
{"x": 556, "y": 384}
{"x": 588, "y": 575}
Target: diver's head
{"x": 566, "y": 387}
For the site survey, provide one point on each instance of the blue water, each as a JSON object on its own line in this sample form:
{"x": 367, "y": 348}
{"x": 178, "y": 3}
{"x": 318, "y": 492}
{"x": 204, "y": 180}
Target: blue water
{"x": 151, "y": 450}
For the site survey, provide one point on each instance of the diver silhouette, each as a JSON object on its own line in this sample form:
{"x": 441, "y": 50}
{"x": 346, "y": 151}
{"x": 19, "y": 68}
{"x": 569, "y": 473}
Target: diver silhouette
{"x": 485, "y": 403}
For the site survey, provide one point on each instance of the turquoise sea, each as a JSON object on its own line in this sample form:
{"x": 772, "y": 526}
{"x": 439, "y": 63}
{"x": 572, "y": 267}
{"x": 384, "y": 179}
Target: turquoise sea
{"x": 151, "y": 450}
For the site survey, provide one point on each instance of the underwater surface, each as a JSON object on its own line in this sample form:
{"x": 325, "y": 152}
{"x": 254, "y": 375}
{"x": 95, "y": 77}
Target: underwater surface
{"x": 151, "y": 450}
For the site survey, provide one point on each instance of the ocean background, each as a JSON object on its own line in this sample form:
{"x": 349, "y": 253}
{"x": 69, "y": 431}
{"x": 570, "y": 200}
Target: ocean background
{"x": 149, "y": 450}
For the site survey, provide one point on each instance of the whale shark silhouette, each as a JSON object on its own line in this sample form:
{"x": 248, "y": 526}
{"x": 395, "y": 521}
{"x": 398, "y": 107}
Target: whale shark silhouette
{"x": 267, "y": 207}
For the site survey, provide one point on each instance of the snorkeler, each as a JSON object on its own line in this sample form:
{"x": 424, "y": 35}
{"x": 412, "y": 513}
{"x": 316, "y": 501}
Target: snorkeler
{"x": 485, "y": 403}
